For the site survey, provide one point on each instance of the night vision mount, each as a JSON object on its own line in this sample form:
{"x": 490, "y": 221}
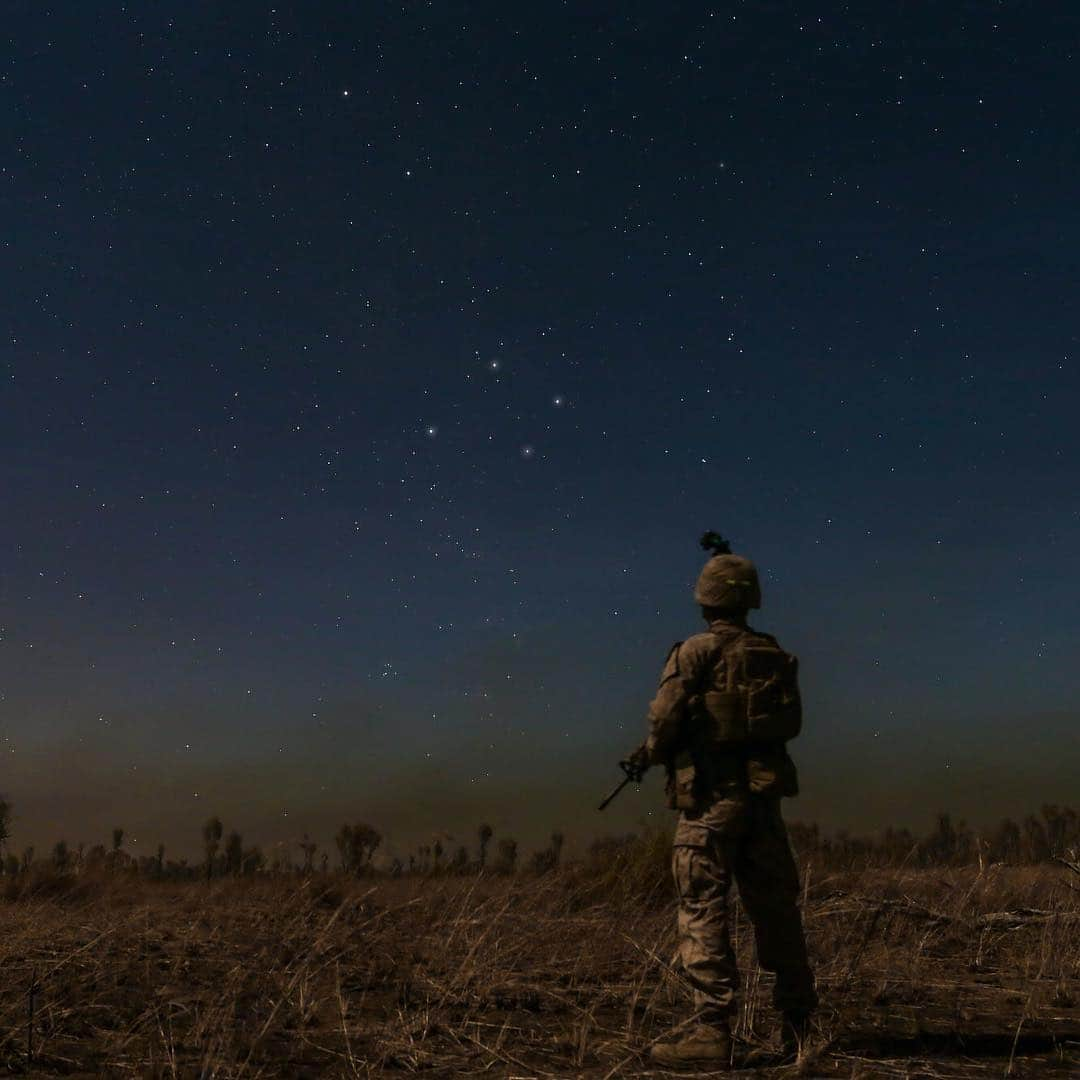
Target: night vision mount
{"x": 714, "y": 542}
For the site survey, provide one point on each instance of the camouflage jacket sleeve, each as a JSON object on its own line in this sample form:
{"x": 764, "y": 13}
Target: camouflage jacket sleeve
{"x": 682, "y": 678}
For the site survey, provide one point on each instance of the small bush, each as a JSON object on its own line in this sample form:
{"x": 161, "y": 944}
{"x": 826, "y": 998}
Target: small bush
{"x": 635, "y": 868}
{"x": 46, "y": 882}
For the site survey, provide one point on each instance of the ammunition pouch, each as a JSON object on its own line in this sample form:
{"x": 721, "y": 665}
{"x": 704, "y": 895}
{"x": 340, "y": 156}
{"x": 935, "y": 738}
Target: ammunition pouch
{"x": 764, "y": 770}
{"x": 772, "y": 774}
{"x": 723, "y": 720}
{"x": 683, "y": 787}
{"x": 762, "y": 712}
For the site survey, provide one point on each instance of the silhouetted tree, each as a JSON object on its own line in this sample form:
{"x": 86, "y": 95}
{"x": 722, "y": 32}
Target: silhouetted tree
{"x": 437, "y": 850}
{"x": 460, "y": 862}
{"x": 308, "y": 847}
{"x": 28, "y": 857}
{"x": 485, "y": 833}
{"x": 366, "y": 839}
{"x": 557, "y": 841}
{"x": 343, "y": 840}
{"x": 1037, "y": 847}
{"x": 116, "y": 854}
{"x": 5, "y": 822}
{"x": 61, "y": 857}
{"x": 1010, "y": 841}
{"x": 282, "y": 862}
{"x": 1062, "y": 831}
{"x": 940, "y": 846}
{"x": 543, "y": 861}
{"x": 211, "y": 835}
{"x": 893, "y": 846}
{"x": 548, "y": 858}
{"x": 161, "y": 860}
{"x": 234, "y": 853}
{"x": 357, "y": 844}
{"x": 507, "y": 855}
{"x": 252, "y": 861}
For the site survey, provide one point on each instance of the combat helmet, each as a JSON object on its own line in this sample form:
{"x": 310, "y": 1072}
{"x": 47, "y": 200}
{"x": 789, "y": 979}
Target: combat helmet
{"x": 726, "y": 581}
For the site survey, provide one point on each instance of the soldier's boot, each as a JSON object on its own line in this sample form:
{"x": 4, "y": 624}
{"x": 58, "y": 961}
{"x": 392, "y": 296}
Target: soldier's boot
{"x": 704, "y": 1044}
{"x": 794, "y": 1034}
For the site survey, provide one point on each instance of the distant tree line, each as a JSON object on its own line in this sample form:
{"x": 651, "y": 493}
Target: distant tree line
{"x": 1052, "y": 833}
{"x": 225, "y": 855}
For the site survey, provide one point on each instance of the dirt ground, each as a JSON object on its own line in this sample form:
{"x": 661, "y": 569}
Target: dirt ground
{"x": 922, "y": 973}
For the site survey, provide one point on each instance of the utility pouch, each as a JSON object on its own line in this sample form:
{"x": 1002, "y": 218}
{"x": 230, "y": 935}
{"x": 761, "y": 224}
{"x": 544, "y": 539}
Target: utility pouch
{"x": 773, "y": 706}
{"x": 682, "y": 782}
{"x": 725, "y": 717}
{"x": 772, "y": 774}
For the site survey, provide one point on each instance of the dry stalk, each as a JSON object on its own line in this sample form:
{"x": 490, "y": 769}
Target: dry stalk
{"x": 508, "y": 1058}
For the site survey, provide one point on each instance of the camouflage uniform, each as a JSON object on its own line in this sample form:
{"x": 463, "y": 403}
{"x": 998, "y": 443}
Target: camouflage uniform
{"x": 731, "y": 834}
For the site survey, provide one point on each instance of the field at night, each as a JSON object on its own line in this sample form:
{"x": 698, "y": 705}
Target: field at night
{"x": 951, "y": 971}
{"x": 426, "y": 417}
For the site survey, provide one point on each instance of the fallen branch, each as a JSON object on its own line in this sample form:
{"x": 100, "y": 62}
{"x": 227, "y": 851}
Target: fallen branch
{"x": 1022, "y": 916}
{"x": 504, "y": 1056}
{"x": 1017, "y": 917}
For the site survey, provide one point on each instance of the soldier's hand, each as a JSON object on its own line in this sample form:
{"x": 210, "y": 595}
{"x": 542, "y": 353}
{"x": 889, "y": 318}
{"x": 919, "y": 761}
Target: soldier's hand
{"x": 636, "y": 764}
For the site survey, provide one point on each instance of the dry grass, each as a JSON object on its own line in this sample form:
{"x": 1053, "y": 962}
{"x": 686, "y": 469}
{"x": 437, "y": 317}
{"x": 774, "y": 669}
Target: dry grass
{"x": 923, "y": 973}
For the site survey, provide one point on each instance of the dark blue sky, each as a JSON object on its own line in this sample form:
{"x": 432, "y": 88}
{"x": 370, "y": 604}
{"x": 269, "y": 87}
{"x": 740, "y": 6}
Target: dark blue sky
{"x": 369, "y": 373}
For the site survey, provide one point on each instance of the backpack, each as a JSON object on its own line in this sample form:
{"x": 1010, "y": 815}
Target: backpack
{"x": 759, "y": 700}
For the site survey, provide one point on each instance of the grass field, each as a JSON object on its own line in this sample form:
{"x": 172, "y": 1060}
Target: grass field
{"x": 956, "y": 972}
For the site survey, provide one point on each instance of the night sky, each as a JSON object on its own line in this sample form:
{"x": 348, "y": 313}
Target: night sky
{"x": 370, "y": 371}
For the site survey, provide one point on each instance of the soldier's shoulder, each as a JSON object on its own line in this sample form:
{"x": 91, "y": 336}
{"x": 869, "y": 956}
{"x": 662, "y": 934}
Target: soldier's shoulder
{"x": 771, "y": 639}
{"x": 689, "y": 657}
{"x": 689, "y": 648}
{"x": 704, "y": 644}
{"x": 673, "y": 651}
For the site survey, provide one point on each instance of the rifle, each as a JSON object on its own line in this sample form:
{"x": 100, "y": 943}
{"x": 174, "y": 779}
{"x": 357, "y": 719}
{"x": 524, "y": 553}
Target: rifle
{"x": 634, "y": 767}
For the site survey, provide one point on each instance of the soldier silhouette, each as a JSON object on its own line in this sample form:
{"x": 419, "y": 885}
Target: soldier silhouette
{"x": 727, "y": 704}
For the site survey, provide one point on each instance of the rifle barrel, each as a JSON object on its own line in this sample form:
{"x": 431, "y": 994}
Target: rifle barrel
{"x": 614, "y": 793}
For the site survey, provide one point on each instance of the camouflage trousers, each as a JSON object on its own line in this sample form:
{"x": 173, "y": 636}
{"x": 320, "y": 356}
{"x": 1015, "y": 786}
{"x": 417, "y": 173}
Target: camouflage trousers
{"x": 741, "y": 837}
